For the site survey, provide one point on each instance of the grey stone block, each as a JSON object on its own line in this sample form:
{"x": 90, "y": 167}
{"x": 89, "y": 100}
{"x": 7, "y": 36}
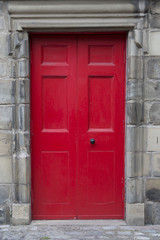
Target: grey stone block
{"x": 4, "y": 193}
{"x": 7, "y": 117}
{"x": 1, "y": 8}
{"x": 3, "y": 69}
{"x": 147, "y": 106}
{"x": 23, "y": 50}
{"x": 135, "y": 190}
{"x": 4, "y": 214}
{"x": 156, "y": 165}
{"x": 152, "y": 66}
{"x": 148, "y": 213}
{"x": 154, "y": 113}
{"x": 15, "y": 168}
{"x": 146, "y": 164}
{"x": 151, "y": 90}
{"x": 134, "y": 138}
{"x": 131, "y": 139}
{"x": 138, "y": 164}
{"x": 131, "y": 165}
{"x": 3, "y": 44}
{"x": 140, "y": 190}
{"x": 24, "y": 170}
{"x": 23, "y": 142}
{"x": 135, "y": 214}
{"x": 134, "y": 90}
{"x": 23, "y": 117}
{"x": 14, "y": 193}
{"x": 156, "y": 213}
{"x": 152, "y": 213}
{"x": 154, "y": 42}
{"x": 154, "y": 21}
{"x": 24, "y": 193}
{"x": 2, "y": 23}
{"x": 131, "y": 191}
{"x": 155, "y": 7}
{"x": 135, "y": 113}
{"x": 133, "y": 49}
{"x": 152, "y": 138}
{"x": 23, "y": 91}
{"x": 135, "y": 68}
{"x": 23, "y": 69}
{"x": 5, "y": 144}
{"x": 5, "y": 169}
{"x": 19, "y": 45}
{"x": 7, "y": 91}
{"x": 21, "y": 214}
{"x": 153, "y": 190}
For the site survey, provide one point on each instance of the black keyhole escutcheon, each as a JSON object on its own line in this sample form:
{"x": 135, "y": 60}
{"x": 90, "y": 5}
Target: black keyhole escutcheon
{"x": 92, "y": 140}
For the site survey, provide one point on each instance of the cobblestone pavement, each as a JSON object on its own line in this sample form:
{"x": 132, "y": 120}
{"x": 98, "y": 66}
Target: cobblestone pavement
{"x": 48, "y": 230}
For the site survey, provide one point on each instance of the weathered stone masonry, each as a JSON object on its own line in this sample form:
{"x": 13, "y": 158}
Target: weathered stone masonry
{"x": 141, "y": 18}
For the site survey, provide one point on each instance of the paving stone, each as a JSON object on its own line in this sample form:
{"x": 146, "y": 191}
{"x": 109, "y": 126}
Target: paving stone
{"x": 109, "y": 227}
{"x": 142, "y": 238}
{"x": 110, "y": 233}
{"x": 138, "y": 234}
{"x": 124, "y": 233}
{"x": 79, "y": 232}
{"x": 156, "y": 235}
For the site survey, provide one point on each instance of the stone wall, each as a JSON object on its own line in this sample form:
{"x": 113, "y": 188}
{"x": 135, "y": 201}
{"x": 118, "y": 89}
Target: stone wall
{"x": 142, "y": 115}
{"x": 14, "y": 122}
{"x": 152, "y": 115}
{"x": 143, "y": 126}
{"x": 7, "y": 121}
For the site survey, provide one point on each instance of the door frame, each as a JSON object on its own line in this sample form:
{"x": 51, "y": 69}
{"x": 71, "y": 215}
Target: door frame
{"x": 131, "y": 19}
{"x": 124, "y": 35}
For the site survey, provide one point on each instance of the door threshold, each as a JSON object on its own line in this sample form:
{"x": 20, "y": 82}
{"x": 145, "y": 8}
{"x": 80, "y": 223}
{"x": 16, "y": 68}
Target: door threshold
{"x": 79, "y": 222}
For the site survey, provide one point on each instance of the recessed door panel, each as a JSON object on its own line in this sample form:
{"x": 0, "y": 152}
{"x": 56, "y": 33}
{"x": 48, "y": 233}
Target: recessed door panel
{"x": 101, "y": 102}
{"x": 55, "y": 175}
{"x": 54, "y": 102}
{"x": 77, "y": 126}
{"x": 100, "y": 54}
{"x": 100, "y": 177}
{"x": 54, "y": 54}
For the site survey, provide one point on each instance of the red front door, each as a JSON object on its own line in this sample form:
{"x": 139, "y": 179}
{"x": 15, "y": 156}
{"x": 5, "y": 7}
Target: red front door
{"x": 77, "y": 126}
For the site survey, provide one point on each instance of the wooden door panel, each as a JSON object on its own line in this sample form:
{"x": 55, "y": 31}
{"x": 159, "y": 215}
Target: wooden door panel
{"x": 54, "y": 103}
{"x": 53, "y": 113}
{"x": 55, "y": 174}
{"x": 101, "y": 96}
{"x": 100, "y": 54}
{"x": 101, "y": 90}
{"x": 54, "y": 54}
{"x": 100, "y": 177}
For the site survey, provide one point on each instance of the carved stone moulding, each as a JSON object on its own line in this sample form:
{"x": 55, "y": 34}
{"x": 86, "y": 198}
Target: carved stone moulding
{"x": 36, "y": 15}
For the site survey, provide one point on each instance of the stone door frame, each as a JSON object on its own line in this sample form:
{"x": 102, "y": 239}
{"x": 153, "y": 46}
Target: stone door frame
{"x": 121, "y": 15}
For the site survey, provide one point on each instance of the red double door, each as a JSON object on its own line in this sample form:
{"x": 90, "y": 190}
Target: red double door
{"x": 77, "y": 126}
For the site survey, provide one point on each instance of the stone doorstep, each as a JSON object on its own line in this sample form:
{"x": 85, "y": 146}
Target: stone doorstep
{"x": 80, "y": 222}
